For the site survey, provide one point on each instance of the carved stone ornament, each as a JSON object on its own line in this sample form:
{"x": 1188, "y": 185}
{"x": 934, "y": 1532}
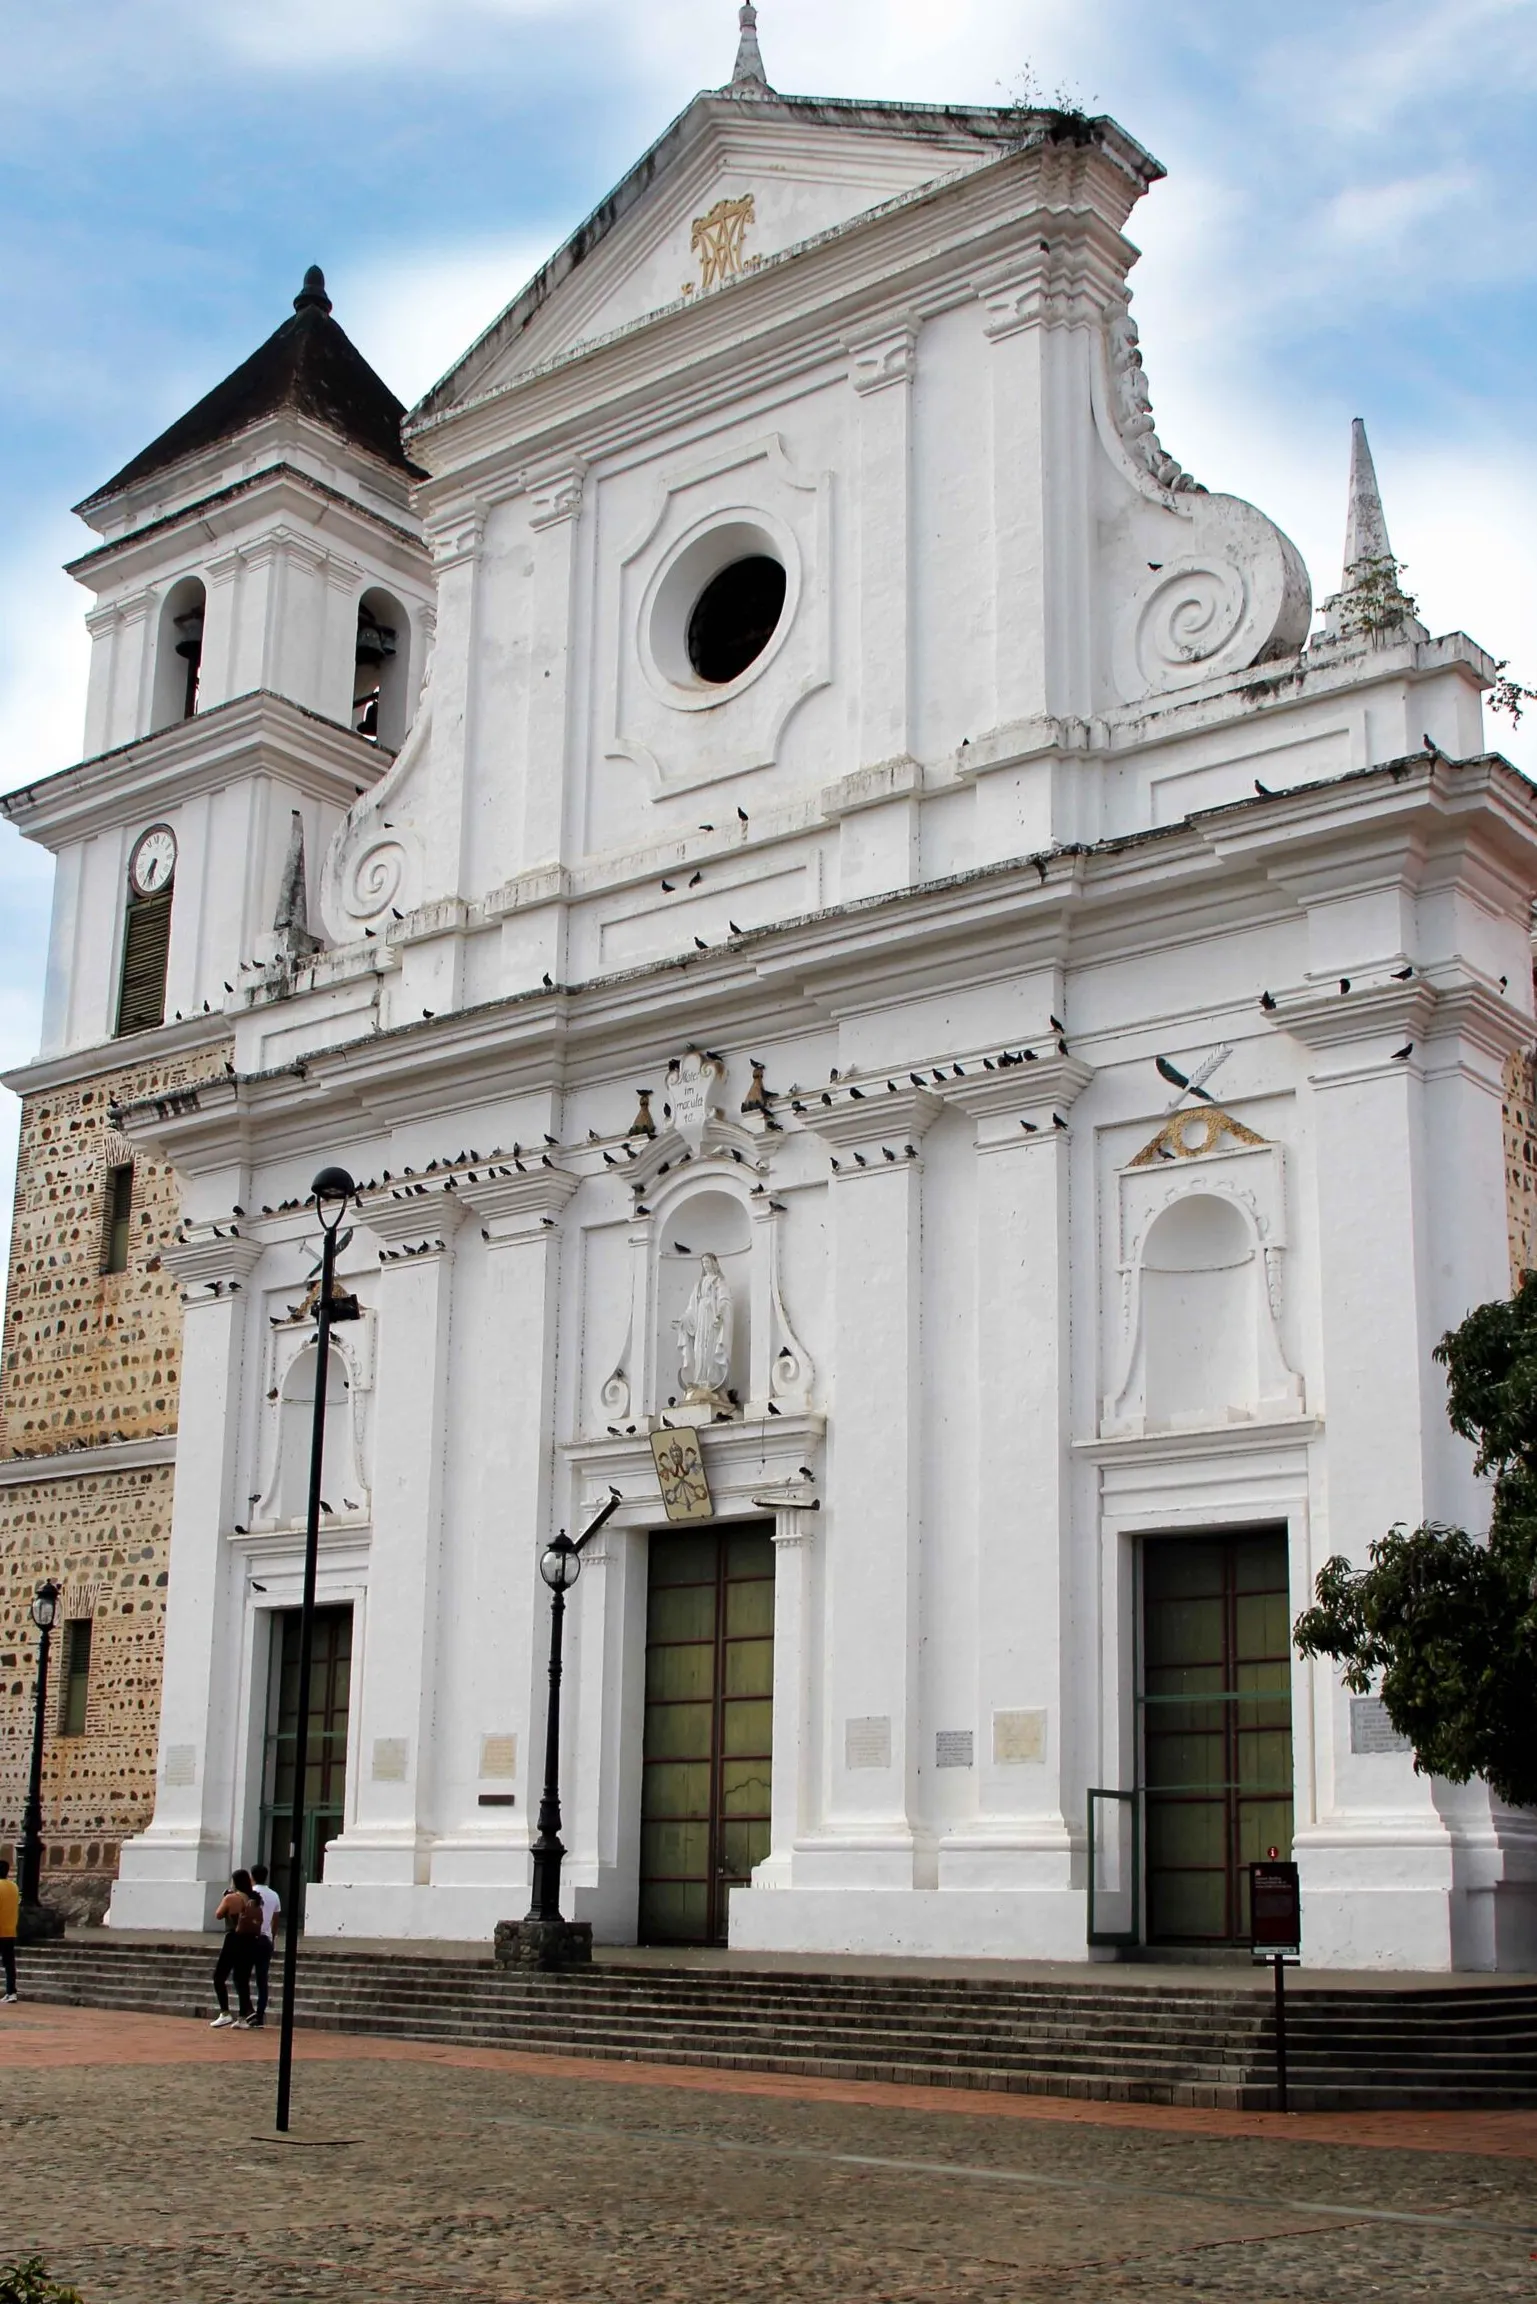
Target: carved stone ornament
{"x": 693, "y": 1084}
{"x": 1192, "y": 1132}
{"x": 1133, "y": 407}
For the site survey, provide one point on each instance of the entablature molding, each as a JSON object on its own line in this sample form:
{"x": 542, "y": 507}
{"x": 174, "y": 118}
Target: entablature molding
{"x": 258, "y": 734}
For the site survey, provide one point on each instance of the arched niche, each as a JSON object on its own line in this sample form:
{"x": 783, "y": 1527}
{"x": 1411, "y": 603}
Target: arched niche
{"x": 341, "y": 1485}
{"x": 179, "y": 652}
{"x": 381, "y": 702}
{"x": 708, "y": 1222}
{"x": 1201, "y": 1344}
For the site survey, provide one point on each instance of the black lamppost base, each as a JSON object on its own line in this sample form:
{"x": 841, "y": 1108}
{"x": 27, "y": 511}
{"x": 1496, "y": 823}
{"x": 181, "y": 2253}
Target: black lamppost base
{"x": 543, "y": 1943}
{"x": 38, "y": 1924}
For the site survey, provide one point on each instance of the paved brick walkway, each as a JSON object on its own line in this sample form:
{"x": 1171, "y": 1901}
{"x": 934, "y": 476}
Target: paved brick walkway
{"x": 137, "y": 2155}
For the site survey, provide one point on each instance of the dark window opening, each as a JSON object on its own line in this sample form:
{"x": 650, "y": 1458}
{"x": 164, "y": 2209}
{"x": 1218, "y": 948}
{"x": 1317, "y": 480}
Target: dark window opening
{"x": 146, "y": 952}
{"x": 735, "y": 618}
{"x": 77, "y": 1675}
{"x": 377, "y": 646}
{"x": 189, "y": 647}
{"x": 118, "y": 1218}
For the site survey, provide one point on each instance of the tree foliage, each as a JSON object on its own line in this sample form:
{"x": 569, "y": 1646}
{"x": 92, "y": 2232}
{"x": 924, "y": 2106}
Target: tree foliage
{"x": 1447, "y": 1620}
{"x": 29, "y": 2283}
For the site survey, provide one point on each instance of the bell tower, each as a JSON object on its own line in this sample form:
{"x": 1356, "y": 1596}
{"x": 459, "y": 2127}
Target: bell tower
{"x": 261, "y": 618}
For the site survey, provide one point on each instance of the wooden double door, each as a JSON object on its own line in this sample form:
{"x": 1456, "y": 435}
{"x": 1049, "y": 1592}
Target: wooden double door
{"x": 1216, "y": 1728}
{"x": 708, "y": 1752}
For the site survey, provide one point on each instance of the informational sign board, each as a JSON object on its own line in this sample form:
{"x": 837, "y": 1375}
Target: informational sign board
{"x": 1275, "y": 1908}
{"x": 681, "y": 1475}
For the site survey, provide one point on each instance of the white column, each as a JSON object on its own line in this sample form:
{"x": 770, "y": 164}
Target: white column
{"x": 375, "y": 1872}
{"x": 554, "y": 517}
{"x": 1030, "y": 1592}
{"x": 494, "y": 1656}
{"x": 866, "y": 1838}
{"x": 795, "y": 1527}
{"x": 172, "y": 1875}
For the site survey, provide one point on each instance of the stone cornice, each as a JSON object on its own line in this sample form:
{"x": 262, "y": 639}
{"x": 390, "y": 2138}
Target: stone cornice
{"x": 205, "y": 1256}
{"x": 868, "y": 1116}
{"x": 102, "y": 1058}
{"x": 744, "y": 1461}
{"x": 88, "y": 1463}
{"x": 256, "y": 734}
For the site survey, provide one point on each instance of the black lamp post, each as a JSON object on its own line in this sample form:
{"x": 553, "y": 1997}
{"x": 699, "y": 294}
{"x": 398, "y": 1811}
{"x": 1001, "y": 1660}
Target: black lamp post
{"x": 35, "y": 1921}
{"x": 544, "y": 1939}
{"x": 333, "y": 1189}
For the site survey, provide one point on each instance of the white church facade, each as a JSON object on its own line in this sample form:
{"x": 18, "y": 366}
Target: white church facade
{"x": 820, "y": 780}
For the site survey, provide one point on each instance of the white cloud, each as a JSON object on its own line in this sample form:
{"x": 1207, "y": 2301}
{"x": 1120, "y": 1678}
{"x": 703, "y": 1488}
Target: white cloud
{"x": 1368, "y": 217}
{"x": 412, "y": 315}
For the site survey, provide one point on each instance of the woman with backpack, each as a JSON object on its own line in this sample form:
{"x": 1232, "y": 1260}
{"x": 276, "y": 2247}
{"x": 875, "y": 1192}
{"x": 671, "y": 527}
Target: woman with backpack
{"x": 241, "y": 1913}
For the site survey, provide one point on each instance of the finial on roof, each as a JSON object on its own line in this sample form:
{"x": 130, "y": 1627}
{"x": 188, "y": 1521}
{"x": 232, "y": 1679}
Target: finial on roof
{"x": 1366, "y": 527}
{"x": 749, "y": 78}
{"x": 312, "y": 296}
{"x": 291, "y": 921}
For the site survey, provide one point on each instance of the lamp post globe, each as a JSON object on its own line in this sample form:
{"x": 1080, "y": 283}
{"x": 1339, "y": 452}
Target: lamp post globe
{"x": 333, "y": 1188}
{"x": 45, "y": 1606}
{"x": 560, "y": 1564}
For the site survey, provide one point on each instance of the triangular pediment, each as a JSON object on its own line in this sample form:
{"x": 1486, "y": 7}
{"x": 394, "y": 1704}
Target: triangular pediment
{"x": 735, "y": 182}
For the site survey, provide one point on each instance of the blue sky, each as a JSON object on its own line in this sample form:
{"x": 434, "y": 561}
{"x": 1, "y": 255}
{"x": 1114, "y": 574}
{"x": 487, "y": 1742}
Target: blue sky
{"x": 1347, "y": 229}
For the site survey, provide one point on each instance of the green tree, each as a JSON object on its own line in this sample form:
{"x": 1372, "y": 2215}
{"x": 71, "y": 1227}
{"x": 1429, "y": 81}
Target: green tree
{"x": 29, "y": 2284}
{"x": 1448, "y": 1621}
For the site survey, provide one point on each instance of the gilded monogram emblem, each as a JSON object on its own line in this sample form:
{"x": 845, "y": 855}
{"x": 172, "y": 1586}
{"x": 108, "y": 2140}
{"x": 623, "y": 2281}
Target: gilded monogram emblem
{"x": 718, "y": 240}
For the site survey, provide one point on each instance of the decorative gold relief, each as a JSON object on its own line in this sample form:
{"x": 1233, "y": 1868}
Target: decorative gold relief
{"x": 719, "y": 238}
{"x": 1189, "y": 1133}
{"x": 681, "y": 1475}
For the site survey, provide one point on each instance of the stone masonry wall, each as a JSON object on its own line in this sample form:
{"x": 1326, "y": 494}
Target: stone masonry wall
{"x": 1521, "y": 1163}
{"x": 90, "y": 1359}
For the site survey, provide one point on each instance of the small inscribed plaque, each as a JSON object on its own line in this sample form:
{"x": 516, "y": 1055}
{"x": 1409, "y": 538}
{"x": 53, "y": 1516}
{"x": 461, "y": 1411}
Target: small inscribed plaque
{"x": 1018, "y": 1737}
{"x": 867, "y": 1743}
{"x": 681, "y": 1475}
{"x": 181, "y": 1763}
{"x": 390, "y": 1756}
{"x": 498, "y": 1756}
{"x": 954, "y": 1748}
{"x": 1370, "y": 1728}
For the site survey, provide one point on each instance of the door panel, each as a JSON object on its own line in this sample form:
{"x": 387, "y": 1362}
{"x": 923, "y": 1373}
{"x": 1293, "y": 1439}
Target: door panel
{"x": 1216, "y": 1714}
{"x": 709, "y": 1730}
{"x": 325, "y": 1774}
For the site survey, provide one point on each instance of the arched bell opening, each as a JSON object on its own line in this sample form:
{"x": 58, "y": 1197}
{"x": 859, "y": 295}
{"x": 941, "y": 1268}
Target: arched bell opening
{"x": 179, "y": 653}
{"x": 381, "y": 669}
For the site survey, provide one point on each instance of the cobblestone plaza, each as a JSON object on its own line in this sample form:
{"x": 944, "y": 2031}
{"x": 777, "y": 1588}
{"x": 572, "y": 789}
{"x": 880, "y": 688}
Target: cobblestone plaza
{"x": 420, "y": 2173}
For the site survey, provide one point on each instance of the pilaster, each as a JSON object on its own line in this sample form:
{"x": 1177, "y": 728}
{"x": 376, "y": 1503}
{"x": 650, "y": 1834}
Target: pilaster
{"x": 386, "y": 1848}
{"x": 1029, "y": 1617}
{"x": 172, "y": 1875}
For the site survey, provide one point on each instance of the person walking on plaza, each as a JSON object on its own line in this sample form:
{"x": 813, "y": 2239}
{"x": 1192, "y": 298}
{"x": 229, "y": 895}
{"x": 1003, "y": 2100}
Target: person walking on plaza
{"x": 10, "y": 1915}
{"x": 242, "y": 1917}
{"x": 267, "y": 1898}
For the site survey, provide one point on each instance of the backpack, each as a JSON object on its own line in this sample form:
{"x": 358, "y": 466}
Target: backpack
{"x": 249, "y": 1922}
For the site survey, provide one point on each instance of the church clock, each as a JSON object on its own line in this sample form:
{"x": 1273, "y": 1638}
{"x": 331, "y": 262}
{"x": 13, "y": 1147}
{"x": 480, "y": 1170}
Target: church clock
{"x": 153, "y": 862}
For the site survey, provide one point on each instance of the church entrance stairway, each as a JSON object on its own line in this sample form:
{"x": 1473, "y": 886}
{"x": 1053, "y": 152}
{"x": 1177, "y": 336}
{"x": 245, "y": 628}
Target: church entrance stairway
{"x": 1111, "y": 2035}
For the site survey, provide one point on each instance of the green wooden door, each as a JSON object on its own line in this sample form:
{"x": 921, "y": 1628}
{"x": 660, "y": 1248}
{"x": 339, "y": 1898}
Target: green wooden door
{"x": 325, "y": 1747}
{"x": 1216, "y": 1716}
{"x": 709, "y": 1729}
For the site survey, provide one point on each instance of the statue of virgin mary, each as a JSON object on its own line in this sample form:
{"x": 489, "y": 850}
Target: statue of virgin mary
{"x": 704, "y": 1337}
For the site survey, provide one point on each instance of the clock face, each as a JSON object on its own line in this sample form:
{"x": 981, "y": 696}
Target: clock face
{"x": 153, "y": 862}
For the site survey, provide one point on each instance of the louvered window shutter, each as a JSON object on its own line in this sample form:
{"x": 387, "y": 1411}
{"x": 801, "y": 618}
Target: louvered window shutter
{"x": 146, "y": 948}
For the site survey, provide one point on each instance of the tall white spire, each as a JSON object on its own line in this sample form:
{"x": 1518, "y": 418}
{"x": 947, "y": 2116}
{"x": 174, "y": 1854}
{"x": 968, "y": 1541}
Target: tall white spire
{"x": 749, "y": 78}
{"x": 1366, "y": 528}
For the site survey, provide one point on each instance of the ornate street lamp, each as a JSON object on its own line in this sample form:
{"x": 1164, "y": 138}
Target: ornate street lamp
{"x": 333, "y": 1191}
{"x": 36, "y": 1920}
{"x": 544, "y": 1939}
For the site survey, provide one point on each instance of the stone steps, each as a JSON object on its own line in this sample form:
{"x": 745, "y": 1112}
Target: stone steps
{"x": 1422, "y": 2049}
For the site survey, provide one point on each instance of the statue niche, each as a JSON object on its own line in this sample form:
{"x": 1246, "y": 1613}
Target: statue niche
{"x": 704, "y": 1306}
{"x": 704, "y": 1333}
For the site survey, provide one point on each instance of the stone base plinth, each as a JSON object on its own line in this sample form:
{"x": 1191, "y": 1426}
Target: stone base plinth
{"x": 38, "y": 1924}
{"x": 543, "y": 1943}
